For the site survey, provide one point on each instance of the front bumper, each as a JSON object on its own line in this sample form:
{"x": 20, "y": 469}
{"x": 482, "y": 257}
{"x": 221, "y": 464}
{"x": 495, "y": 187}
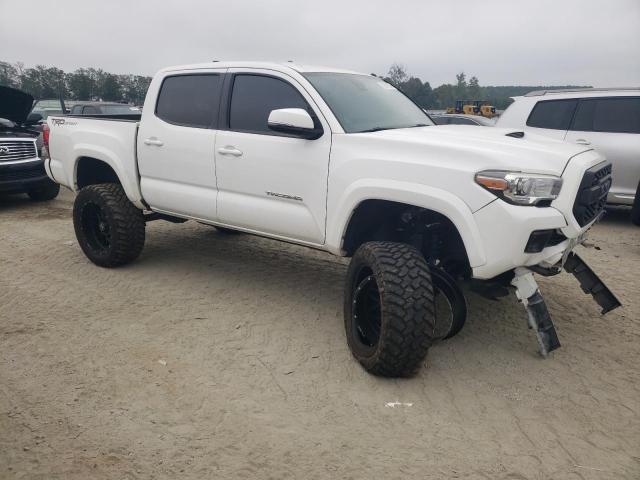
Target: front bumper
{"x": 505, "y": 229}
{"x": 22, "y": 177}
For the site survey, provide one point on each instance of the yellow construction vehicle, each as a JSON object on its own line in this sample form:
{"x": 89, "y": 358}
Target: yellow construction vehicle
{"x": 473, "y": 107}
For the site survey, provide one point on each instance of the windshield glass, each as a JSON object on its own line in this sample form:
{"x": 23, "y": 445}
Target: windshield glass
{"x": 364, "y": 103}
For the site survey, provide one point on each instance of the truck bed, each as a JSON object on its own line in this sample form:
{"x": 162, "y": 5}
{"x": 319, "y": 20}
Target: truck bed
{"x": 106, "y": 138}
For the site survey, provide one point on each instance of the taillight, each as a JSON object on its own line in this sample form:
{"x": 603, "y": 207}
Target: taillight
{"x": 45, "y": 135}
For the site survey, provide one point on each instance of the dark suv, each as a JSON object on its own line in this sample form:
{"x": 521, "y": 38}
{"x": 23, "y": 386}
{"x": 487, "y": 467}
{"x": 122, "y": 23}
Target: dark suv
{"x": 21, "y": 165}
{"x": 104, "y": 108}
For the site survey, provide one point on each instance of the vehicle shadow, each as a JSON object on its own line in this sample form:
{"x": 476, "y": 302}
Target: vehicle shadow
{"x": 618, "y": 215}
{"x": 21, "y": 204}
{"x": 311, "y": 282}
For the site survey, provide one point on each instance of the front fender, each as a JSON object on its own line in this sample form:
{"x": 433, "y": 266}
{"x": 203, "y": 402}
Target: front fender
{"x": 414, "y": 194}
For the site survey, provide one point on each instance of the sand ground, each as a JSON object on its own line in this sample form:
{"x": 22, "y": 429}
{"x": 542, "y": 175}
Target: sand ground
{"x": 217, "y": 356}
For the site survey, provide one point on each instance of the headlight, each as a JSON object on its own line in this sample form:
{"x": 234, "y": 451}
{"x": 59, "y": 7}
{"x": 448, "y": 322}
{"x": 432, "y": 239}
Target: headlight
{"x": 521, "y": 188}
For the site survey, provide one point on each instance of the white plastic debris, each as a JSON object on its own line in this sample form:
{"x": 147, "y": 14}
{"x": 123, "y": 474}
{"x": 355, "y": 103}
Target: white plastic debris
{"x": 398, "y": 404}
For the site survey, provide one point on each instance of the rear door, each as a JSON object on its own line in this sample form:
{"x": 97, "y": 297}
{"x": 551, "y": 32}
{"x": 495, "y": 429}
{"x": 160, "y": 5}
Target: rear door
{"x": 270, "y": 182}
{"x": 551, "y": 118}
{"x": 612, "y": 126}
{"x": 176, "y": 144}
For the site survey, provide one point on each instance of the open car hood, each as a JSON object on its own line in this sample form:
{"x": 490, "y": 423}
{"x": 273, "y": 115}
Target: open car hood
{"x": 15, "y": 105}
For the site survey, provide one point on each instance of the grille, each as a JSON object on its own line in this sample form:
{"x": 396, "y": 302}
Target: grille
{"x": 22, "y": 173}
{"x": 592, "y": 194}
{"x": 15, "y": 150}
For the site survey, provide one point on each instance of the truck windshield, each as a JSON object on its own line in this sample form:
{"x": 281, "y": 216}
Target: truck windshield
{"x": 364, "y": 103}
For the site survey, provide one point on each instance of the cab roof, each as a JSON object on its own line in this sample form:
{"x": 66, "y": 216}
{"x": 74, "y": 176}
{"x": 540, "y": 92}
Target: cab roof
{"x": 278, "y": 66}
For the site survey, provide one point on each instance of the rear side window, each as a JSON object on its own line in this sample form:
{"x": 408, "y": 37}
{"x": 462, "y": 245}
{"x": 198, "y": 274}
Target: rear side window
{"x": 615, "y": 115}
{"x": 253, "y": 98}
{"x": 553, "y": 114}
{"x": 190, "y": 100}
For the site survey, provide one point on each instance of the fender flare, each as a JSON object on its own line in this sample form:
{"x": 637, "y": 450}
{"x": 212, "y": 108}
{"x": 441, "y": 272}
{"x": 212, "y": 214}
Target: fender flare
{"x": 418, "y": 195}
{"x": 131, "y": 187}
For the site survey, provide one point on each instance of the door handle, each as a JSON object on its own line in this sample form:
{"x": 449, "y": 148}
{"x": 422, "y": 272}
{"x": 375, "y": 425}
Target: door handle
{"x": 229, "y": 150}
{"x": 153, "y": 141}
{"x": 582, "y": 141}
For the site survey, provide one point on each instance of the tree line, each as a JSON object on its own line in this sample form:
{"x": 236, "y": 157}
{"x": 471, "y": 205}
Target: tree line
{"x": 445, "y": 95}
{"x": 82, "y": 84}
{"x": 96, "y": 84}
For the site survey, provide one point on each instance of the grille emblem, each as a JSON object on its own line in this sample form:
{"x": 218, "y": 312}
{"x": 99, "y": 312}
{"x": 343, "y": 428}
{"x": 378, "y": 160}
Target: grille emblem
{"x": 4, "y": 150}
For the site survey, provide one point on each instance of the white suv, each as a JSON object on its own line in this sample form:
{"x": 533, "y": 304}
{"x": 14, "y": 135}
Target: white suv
{"x": 607, "y": 119}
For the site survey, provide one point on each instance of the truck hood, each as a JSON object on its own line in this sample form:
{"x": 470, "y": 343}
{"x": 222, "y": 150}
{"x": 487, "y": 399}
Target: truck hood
{"x": 488, "y": 147}
{"x": 15, "y": 105}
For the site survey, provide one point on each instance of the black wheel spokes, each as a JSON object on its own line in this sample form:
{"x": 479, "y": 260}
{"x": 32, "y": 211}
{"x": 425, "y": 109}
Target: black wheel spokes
{"x": 96, "y": 227}
{"x": 366, "y": 311}
{"x": 104, "y": 232}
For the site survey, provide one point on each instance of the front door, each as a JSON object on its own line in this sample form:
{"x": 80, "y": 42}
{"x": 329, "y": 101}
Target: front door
{"x": 176, "y": 145}
{"x": 269, "y": 182}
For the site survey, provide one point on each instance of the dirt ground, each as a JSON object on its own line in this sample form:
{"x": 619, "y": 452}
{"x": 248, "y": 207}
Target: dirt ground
{"x": 217, "y": 356}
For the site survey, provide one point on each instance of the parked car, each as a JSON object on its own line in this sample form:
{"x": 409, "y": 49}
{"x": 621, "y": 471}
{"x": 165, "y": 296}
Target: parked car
{"x": 44, "y": 108}
{"x": 21, "y": 166}
{"x": 342, "y": 162}
{"x": 459, "y": 119}
{"x": 607, "y": 119}
{"x": 104, "y": 108}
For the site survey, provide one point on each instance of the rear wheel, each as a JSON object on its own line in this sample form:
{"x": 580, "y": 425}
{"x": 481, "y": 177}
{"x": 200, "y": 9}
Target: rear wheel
{"x": 109, "y": 228}
{"x": 47, "y": 192}
{"x": 635, "y": 210}
{"x": 389, "y": 311}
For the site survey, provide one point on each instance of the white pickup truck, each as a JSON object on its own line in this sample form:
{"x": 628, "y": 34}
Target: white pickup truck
{"x": 343, "y": 162}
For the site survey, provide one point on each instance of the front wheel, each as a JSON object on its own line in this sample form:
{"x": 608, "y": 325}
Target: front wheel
{"x": 42, "y": 194}
{"x": 389, "y": 308}
{"x": 109, "y": 228}
{"x": 635, "y": 210}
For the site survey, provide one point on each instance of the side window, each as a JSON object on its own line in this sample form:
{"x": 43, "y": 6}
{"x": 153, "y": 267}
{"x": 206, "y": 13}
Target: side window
{"x": 190, "y": 100}
{"x": 615, "y": 115}
{"x": 253, "y": 98}
{"x": 76, "y": 110}
{"x": 553, "y": 114}
{"x": 89, "y": 110}
{"x": 441, "y": 120}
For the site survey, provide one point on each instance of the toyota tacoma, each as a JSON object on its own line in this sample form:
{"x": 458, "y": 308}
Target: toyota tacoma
{"x": 343, "y": 162}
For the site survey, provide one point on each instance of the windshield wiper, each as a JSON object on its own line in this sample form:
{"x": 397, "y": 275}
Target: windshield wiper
{"x": 375, "y": 129}
{"x": 419, "y": 125}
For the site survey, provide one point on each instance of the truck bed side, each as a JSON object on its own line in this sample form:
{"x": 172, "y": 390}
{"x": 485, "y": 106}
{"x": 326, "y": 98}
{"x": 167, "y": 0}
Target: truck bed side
{"x": 75, "y": 139}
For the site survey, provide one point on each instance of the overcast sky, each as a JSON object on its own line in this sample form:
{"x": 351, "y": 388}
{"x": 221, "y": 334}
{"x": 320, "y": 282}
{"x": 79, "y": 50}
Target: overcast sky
{"x": 502, "y": 42}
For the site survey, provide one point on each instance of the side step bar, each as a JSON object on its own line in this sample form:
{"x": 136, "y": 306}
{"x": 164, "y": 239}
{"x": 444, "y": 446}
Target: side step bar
{"x": 590, "y": 283}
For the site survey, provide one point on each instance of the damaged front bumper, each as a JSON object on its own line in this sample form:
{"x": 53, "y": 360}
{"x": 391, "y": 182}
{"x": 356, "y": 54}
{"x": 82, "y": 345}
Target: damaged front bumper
{"x": 538, "y": 315}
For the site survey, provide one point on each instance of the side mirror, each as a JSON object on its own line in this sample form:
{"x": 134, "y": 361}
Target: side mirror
{"x": 34, "y": 118}
{"x": 294, "y": 121}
